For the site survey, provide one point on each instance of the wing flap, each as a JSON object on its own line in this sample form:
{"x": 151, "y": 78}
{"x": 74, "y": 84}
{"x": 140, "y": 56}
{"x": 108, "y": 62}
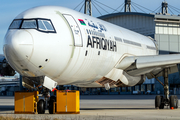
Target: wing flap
{"x": 140, "y": 65}
{"x": 158, "y": 60}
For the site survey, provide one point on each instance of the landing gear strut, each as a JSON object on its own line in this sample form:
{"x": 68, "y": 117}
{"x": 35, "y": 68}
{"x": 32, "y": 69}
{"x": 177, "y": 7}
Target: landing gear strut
{"x": 161, "y": 101}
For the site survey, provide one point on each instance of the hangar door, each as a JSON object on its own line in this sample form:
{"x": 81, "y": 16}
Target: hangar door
{"x": 75, "y": 30}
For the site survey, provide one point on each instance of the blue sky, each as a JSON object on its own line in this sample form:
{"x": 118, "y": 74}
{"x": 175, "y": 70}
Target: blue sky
{"x": 9, "y": 9}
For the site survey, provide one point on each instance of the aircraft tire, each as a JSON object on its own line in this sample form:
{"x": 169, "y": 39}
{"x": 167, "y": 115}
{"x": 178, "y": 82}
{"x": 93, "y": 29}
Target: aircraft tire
{"x": 172, "y": 101}
{"x": 157, "y": 101}
{"x": 176, "y": 99}
{"x": 162, "y": 103}
{"x": 41, "y": 106}
{"x": 53, "y": 97}
{"x": 51, "y": 104}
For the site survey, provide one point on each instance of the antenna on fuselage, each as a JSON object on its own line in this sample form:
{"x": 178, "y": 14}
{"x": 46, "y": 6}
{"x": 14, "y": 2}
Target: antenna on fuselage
{"x": 88, "y": 8}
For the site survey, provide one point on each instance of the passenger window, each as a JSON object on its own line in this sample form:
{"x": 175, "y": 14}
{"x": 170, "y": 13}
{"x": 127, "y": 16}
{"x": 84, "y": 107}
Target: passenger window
{"x": 15, "y": 24}
{"x": 29, "y": 24}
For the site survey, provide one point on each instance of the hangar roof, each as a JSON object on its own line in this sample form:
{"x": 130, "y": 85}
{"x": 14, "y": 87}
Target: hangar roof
{"x": 161, "y": 16}
{"x": 124, "y": 13}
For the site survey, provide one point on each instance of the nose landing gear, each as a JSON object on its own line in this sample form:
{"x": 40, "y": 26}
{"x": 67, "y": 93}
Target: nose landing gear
{"x": 161, "y": 101}
{"x": 51, "y": 104}
{"x": 41, "y": 106}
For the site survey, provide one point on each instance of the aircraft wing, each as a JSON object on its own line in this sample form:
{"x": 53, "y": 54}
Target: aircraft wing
{"x": 149, "y": 65}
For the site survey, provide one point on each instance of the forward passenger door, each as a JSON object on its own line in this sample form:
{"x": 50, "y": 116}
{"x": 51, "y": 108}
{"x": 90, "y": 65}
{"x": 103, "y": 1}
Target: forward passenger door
{"x": 75, "y": 30}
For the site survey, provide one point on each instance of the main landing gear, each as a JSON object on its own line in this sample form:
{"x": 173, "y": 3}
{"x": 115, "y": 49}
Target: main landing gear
{"x": 161, "y": 101}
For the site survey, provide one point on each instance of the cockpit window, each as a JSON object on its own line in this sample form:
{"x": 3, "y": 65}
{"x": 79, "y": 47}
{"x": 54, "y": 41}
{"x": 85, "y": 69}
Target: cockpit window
{"x": 43, "y": 25}
{"x": 29, "y": 24}
{"x": 48, "y": 25}
{"x": 15, "y": 24}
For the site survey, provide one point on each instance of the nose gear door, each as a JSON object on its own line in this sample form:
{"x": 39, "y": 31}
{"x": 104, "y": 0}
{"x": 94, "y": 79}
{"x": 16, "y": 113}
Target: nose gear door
{"x": 75, "y": 30}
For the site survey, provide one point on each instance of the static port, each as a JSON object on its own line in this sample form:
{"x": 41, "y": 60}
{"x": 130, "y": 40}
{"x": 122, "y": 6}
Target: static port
{"x": 40, "y": 66}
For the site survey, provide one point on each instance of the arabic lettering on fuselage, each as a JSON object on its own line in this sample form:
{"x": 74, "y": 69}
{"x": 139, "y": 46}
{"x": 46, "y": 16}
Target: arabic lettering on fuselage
{"x": 92, "y": 25}
{"x": 102, "y": 27}
{"x": 98, "y": 26}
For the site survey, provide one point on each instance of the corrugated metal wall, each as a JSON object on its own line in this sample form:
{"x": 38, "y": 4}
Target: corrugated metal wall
{"x": 142, "y": 24}
{"x": 167, "y": 34}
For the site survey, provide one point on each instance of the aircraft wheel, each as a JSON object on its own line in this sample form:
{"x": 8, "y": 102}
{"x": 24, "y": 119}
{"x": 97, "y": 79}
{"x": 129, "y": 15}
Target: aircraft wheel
{"x": 51, "y": 104}
{"x": 53, "y": 97}
{"x": 176, "y": 99}
{"x": 162, "y": 103}
{"x": 173, "y": 101}
{"x": 157, "y": 101}
{"x": 41, "y": 106}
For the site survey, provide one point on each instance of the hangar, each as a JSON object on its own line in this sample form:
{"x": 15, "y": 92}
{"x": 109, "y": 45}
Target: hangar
{"x": 163, "y": 27}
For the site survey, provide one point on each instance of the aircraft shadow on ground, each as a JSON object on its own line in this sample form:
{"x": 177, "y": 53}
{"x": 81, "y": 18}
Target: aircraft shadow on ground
{"x": 6, "y": 108}
{"x": 10, "y": 108}
{"x": 119, "y": 97}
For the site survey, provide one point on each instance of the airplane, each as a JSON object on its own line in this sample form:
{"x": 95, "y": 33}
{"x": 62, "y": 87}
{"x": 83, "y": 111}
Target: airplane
{"x": 52, "y": 45}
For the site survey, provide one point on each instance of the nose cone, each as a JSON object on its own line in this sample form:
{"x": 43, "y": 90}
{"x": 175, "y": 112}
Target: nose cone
{"x": 18, "y": 46}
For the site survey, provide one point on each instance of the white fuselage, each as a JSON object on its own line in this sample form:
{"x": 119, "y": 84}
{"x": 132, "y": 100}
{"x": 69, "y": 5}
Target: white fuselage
{"x": 82, "y": 49}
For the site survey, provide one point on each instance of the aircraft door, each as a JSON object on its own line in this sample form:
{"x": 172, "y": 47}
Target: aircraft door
{"x": 75, "y": 29}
